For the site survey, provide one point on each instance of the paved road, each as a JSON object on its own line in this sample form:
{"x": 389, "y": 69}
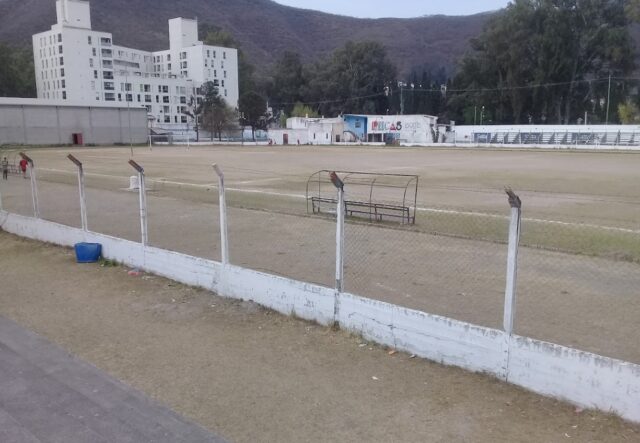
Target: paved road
{"x": 47, "y": 395}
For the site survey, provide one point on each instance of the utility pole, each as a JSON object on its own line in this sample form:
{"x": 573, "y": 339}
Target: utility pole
{"x": 608, "y": 100}
{"x": 402, "y": 85}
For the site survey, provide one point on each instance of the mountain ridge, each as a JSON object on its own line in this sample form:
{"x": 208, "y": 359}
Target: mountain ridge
{"x": 264, "y": 28}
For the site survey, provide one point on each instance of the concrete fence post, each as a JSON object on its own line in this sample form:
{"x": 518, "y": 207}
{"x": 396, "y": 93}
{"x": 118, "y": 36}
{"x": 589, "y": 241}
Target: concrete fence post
{"x": 83, "y": 201}
{"x": 34, "y": 184}
{"x": 512, "y": 261}
{"x": 224, "y": 239}
{"x": 142, "y": 193}
{"x": 339, "y": 184}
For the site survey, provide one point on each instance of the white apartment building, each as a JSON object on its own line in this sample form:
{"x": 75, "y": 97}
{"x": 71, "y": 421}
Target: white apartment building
{"x": 75, "y": 63}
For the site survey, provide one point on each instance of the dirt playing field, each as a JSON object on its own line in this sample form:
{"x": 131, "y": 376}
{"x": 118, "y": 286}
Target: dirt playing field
{"x": 451, "y": 263}
{"x": 252, "y": 375}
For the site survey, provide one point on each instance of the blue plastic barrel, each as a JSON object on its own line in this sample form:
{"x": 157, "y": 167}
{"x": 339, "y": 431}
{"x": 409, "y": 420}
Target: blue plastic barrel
{"x": 88, "y": 252}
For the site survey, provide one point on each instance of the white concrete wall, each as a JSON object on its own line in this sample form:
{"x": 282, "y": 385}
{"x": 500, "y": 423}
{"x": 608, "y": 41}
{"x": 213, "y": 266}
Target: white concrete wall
{"x": 579, "y": 377}
{"x": 465, "y": 133}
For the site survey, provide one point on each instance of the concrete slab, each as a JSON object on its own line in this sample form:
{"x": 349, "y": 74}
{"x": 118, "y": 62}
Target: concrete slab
{"x": 47, "y": 395}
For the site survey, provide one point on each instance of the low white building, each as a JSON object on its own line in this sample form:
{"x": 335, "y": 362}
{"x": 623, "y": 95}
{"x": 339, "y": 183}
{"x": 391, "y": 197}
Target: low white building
{"x": 75, "y": 63}
{"x": 309, "y": 131}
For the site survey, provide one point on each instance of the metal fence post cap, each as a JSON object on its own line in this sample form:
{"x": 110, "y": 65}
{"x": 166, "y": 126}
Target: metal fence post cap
{"x": 136, "y": 166}
{"x": 514, "y": 200}
{"x": 336, "y": 180}
{"x": 217, "y": 169}
{"x": 77, "y": 162}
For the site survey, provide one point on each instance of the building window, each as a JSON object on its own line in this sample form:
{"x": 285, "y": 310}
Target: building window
{"x": 110, "y": 97}
{"x": 64, "y": 95}
{"x": 225, "y": 92}
{"x": 225, "y": 74}
{"x": 89, "y": 39}
{"x": 64, "y": 85}
{"x": 208, "y": 53}
{"x": 61, "y": 72}
{"x": 224, "y": 55}
{"x": 60, "y": 49}
{"x": 91, "y": 63}
{"x": 168, "y": 66}
{"x": 95, "y": 74}
{"x": 147, "y": 99}
{"x": 223, "y": 83}
{"x": 109, "y": 86}
{"x": 94, "y": 52}
{"x": 168, "y": 57}
{"x": 165, "y": 99}
{"x": 129, "y": 97}
{"x": 183, "y": 55}
{"x": 167, "y": 119}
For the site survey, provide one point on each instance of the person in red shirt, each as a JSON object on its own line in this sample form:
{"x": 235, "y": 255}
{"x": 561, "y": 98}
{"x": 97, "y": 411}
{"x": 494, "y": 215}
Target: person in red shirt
{"x": 23, "y": 168}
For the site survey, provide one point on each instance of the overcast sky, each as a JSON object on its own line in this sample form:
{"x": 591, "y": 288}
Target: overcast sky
{"x": 397, "y": 8}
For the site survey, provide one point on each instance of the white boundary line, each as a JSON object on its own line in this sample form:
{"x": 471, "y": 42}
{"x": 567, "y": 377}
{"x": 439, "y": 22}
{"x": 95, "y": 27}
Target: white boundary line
{"x": 420, "y": 209}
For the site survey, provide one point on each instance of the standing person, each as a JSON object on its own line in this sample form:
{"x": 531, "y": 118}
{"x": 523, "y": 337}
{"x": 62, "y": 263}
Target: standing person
{"x": 23, "y": 168}
{"x": 5, "y": 168}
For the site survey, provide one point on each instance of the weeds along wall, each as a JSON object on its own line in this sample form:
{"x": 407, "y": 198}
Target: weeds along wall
{"x": 583, "y": 378}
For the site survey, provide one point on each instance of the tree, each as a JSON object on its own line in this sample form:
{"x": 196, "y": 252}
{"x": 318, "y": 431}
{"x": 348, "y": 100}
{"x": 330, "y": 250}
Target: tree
{"x": 211, "y": 101}
{"x": 17, "y": 75}
{"x": 632, "y": 9}
{"x": 539, "y": 58}
{"x": 289, "y": 82}
{"x": 352, "y": 80}
{"x": 253, "y": 109}
{"x": 300, "y": 110}
{"x": 222, "y": 117}
{"x": 629, "y": 113}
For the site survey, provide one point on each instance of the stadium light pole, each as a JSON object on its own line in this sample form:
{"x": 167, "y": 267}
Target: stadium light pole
{"x": 142, "y": 194}
{"x": 512, "y": 261}
{"x": 34, "y": 184}
{"x": 83, "y": 201}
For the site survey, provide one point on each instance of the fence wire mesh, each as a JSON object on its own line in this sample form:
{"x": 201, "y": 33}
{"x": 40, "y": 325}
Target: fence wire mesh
{"x": 450, "y": 263}
{"x": 294, "y": 246}
{"x": 579, "y": 285}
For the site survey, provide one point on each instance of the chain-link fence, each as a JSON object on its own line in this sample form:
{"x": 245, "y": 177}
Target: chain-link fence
{"x": 578, "y": 280}
{"x": 295, "y": 246}
{"x": 579, "y": 285}
{"x": 450, "y": 263}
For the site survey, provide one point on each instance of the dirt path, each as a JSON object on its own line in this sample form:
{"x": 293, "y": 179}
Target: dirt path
{"x": 253, "y": 375}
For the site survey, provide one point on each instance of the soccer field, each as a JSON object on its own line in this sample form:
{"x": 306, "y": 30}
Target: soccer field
{"x": 579, "y": 269}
